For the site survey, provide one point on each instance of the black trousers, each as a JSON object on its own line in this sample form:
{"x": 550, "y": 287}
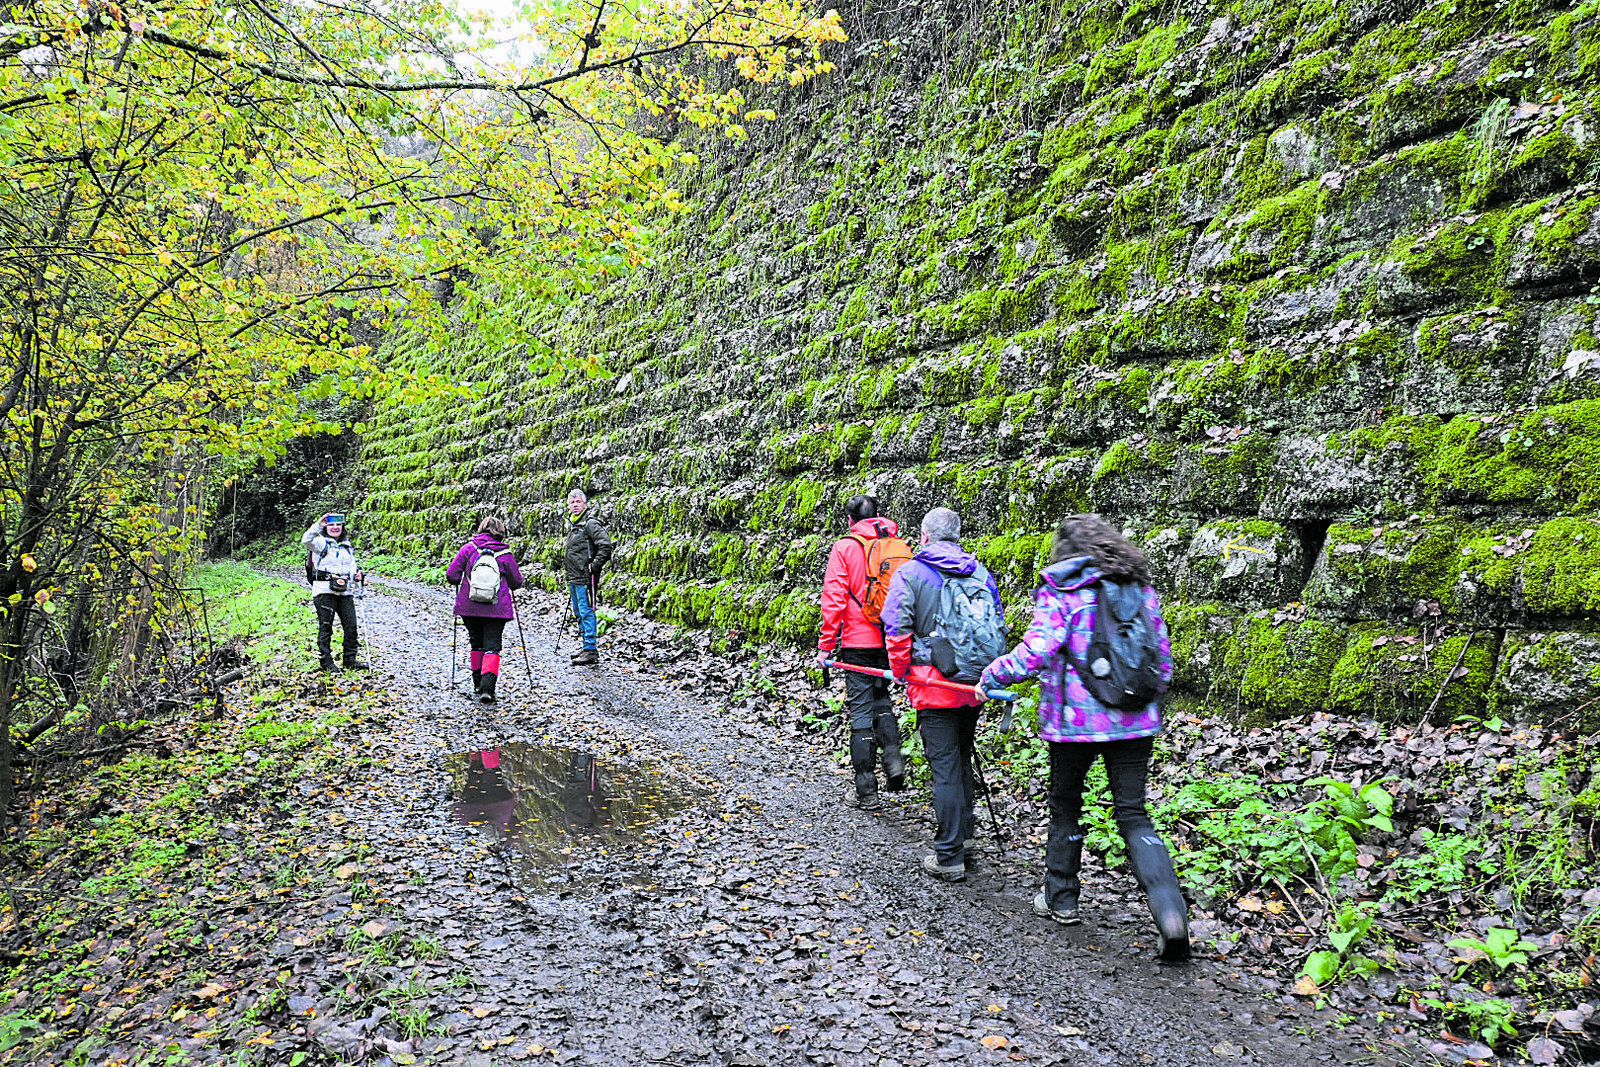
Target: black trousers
{"x": 483, "y": 634}
{"x": 330, "y": 605}
{"x": 865, "y": 697}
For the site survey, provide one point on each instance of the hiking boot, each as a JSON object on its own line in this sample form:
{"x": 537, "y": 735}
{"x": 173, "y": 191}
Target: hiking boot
{"x": 355, "y": 665}
{"x": 1064, "y": 916}
{"x": 587, "y": 658}
{"x": 327, "y": 666}
{"x": 945, "y": 872}
{"x": 862, "y": 801}
{"x": 886, "y": 730}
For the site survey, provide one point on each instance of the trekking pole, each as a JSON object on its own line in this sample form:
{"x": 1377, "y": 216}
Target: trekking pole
{"x": 522, "y": 639}
{"x": 453, "y": 629}
{"x": 990, "y": 694}
{"x": 561, "y": 631}
{"x": 994, "y": 820}
{"x": 361, "y": 613}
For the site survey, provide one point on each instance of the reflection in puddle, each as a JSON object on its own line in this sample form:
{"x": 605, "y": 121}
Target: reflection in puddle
{"x": 557, "y": 805}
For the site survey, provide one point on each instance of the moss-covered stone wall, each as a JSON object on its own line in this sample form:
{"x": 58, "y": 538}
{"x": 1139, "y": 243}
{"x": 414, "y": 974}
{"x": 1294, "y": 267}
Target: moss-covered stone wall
{"x": 1300, "y": 291}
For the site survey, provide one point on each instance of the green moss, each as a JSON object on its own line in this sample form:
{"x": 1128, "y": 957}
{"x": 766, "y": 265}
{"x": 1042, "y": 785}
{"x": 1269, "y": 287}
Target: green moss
{"x": 1205, "y": 661}
{"x": 1387, "y": 570}
{"x": 1286, "y": 664}
{"x": 1399, "y": 673}
{"x": 1549, "y": 570}
{"x": 1550, "y": 457}
{"x": 856, "y": 308}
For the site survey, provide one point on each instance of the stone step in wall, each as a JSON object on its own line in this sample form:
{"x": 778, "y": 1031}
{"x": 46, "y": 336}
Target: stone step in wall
{"x": 1302, "y": 293}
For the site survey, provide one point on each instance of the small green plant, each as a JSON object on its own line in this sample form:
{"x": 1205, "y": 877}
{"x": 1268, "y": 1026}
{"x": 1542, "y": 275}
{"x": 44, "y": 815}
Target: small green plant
{"x": 16, "y": 1029}
{"x": 1446, "y": 865}
{"x": 1489, "y": 1020}
{"x": 415, "y": 1023}
{"x": 1347, "y": 928}
{"x": 1501, "y": 946}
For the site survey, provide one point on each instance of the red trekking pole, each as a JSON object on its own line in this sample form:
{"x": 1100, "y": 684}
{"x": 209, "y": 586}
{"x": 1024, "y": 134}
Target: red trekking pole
{"x": 992, "y": 694}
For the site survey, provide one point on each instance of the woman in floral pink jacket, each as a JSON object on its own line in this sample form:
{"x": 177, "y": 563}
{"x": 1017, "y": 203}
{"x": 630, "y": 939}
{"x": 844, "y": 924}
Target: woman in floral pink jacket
{"x": 1091, "y": 560}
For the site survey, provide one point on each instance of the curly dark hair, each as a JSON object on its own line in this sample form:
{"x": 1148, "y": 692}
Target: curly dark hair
{"x": 1090, "y": 535}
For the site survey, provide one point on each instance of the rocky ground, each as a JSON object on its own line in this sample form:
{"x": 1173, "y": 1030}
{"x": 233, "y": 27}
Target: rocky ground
{"x": 757, "y": 921}
{"x": 632, "y": 863}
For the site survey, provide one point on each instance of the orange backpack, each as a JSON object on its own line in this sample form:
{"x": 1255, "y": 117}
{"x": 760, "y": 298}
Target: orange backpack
{"x": 884, "y": 556}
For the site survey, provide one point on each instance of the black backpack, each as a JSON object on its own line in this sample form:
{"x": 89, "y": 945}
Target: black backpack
{"x": 1122, "y": 669}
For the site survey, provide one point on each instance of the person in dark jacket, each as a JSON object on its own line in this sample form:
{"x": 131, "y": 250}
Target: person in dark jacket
{"x": 331, "y": 566}
{"x": 485, "y": 622}
{"x": 848, "y": 637}
{"x": 1080, "y": 729}
{"x": 947, "y": 717}
{"x": 588, "y": 550}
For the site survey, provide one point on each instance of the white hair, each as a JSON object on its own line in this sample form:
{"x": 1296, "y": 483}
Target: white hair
{"x": 941, "y": 524}
{"x": 577, "y": 494}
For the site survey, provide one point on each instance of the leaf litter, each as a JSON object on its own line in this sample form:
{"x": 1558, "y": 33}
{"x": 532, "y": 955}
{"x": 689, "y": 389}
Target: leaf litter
{"x": 341, "y": 912}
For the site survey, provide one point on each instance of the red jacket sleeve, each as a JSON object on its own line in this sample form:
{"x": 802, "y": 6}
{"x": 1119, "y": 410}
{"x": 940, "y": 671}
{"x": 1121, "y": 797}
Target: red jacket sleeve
{"x": 835, "y": 598}
{"x": 899, "y": 622}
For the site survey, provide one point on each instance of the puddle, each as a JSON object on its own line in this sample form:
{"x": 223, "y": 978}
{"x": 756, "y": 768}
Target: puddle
{"x": 560, "y": 808}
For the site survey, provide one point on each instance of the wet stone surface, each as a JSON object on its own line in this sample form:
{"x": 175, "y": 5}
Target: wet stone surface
{"x": 727, "y": 909}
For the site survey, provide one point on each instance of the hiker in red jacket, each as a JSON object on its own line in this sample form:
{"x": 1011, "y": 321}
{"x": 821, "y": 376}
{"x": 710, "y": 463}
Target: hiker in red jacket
{"x": 852, "y": 633}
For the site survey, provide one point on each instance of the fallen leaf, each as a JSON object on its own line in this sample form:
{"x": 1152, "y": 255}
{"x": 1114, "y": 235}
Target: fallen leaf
{"x": 994, "y": 1041}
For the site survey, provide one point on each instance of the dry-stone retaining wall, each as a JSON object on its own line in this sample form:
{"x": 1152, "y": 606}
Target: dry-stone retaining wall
{"x": 1300, "y": 291}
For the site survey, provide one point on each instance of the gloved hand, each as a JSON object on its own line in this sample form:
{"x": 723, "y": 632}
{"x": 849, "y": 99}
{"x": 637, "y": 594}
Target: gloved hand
{"x": 823, "y": 656}
{"x": 986, "y": 683}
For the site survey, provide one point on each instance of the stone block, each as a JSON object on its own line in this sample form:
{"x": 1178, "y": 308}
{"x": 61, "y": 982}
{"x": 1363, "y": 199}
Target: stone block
{"x": 1399, "y": 673}
{"x": 1252, "y": 563}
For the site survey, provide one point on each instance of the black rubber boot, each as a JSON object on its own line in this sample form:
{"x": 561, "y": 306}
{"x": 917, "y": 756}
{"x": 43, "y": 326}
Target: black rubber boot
{"x": 863, "y": 756}
{"x": 1063, "y": 863}
{"x": 886, "y": 730}
{"x": 1152, "y": 866}
{"x": 486, "y": 689}
{"x": 477, "y": 682}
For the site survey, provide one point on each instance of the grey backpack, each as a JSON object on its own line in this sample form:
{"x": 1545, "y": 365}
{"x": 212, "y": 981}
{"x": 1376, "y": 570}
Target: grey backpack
{"x": 969, "y": 632}
{"x": 483, "y": 581}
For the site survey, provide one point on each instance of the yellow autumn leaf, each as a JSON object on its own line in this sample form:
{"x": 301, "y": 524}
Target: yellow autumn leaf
{"x": 994, "y": 1041}
{"x": 29, "y": 564}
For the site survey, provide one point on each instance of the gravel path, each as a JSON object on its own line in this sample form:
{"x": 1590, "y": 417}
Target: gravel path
{"x": 710, "y": 901}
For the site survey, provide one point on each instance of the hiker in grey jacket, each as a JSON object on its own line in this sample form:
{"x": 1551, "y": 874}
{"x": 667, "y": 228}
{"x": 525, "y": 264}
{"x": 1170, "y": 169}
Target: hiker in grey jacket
{"x": 331, "y": 567}
{"x": 588, "y": 550}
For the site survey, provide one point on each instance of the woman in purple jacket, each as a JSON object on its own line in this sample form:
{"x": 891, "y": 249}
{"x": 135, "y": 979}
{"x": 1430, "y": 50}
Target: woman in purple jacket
{"x": 1090, "y": 560}
{"x": 485, "y": 620}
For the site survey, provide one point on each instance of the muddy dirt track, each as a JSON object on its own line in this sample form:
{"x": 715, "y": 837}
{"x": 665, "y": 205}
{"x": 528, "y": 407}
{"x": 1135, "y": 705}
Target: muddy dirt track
{"x": 619, "y": 873}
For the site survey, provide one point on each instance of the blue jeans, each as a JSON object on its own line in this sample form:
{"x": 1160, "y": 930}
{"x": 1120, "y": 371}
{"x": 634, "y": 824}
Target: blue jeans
{"x": 947, "y": 742}
{"x": 584, "y": 610}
